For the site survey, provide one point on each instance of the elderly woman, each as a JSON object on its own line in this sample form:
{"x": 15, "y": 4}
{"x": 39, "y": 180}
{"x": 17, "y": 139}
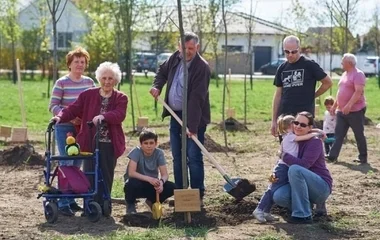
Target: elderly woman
{"x": 309, "y": 179}
{"x": 109, "y": 106}
{"x": 65, "y": 91}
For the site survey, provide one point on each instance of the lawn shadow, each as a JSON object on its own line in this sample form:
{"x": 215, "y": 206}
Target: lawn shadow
{"x": 363, "y": 168}
{"x": 81, "y": 225}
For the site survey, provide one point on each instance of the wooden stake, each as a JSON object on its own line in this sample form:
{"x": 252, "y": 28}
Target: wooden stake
{"x": 21, "y": 95}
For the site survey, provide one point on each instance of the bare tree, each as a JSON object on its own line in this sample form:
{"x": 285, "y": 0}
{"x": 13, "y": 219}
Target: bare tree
{"x": 344, "y": 14}
{"x": 56, "y": 9}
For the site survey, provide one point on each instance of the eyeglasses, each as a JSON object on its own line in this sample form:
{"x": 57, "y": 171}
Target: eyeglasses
{"x": 291, "y": 52}
{"x": 303, "y": 125}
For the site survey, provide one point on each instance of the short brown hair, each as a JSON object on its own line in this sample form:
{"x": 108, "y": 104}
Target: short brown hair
{"x": 77, "y": 52}
{"x": 329, "y": 101}
{"x": 147, "y": 134}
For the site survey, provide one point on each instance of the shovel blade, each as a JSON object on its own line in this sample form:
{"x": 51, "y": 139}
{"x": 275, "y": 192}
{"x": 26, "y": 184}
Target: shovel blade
{"x": 241, "y": 189}
{"x": 157, "y": 210}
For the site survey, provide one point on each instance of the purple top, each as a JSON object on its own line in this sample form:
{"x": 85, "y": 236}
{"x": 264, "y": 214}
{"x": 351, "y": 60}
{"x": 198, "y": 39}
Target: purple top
{"x": 311, "y": 156}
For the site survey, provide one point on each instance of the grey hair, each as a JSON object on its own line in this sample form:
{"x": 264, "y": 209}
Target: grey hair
{"x": 188, "y": 36}
{"x": 108, "y": 66}
{"x": 292, "y": 38}
{"x": 351, "y": 58}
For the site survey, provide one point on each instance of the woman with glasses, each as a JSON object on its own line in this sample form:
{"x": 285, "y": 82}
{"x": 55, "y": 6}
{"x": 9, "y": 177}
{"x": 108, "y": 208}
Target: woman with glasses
{"x": 310, "y": 181}
{"x": 279, "y": 176}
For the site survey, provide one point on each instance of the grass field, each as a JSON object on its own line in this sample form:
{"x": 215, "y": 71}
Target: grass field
{"x": 353, "y": 206}
{"x": 259, "y": 102}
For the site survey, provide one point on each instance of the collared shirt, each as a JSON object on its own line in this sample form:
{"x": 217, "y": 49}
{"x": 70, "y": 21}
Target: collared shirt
{"x": 175, "y": 92}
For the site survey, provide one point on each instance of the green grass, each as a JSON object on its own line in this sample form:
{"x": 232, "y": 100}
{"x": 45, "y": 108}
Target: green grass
{"x": 258, "y": 104}
{"x": 161, "y": 233}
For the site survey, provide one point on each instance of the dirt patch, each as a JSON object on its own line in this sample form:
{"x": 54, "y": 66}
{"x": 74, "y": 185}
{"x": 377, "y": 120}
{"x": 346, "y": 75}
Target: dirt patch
{"x": 21, "y": 155}
{"x": 210, "y": 145}
{"x": 232, "y": 125}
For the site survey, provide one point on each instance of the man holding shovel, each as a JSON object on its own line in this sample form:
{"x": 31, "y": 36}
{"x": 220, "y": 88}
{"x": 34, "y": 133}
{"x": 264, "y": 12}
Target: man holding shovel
{"x": 198, "y": 112}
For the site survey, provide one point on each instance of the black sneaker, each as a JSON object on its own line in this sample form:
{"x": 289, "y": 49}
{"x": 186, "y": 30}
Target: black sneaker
{"x": 297, "y": 220}
{"x": 75, "y": 207}
{"x": 332, "y": 159}
{"x": 131, "y": 208}
{"x": 66, "y": 211}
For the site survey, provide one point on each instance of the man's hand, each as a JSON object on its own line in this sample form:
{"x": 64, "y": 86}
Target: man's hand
{"x": 273, "y": 129}
{"x": 155, "y": 182}
{"x": 346, "y": 110}
{"x": 154, "y": 92}
{"x": 190, "y": 134}
{"x": 159, "y": 188}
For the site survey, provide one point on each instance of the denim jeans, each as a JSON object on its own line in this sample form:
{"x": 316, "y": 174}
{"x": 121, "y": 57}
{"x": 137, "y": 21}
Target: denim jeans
{"x": 355, "y": 120}
{"x": 61, "y": 131}
{"x": 266, "y": 201}
{"x": 304, "y": 188}
{"x": 194, "y": 156}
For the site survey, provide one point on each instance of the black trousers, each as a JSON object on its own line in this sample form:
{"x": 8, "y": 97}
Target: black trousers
{"x": 107, "y": 164}
{"x": 135, "y": 188}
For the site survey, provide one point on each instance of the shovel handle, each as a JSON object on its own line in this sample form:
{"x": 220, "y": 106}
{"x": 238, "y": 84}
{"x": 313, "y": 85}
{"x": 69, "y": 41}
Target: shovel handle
{"x": 195, "y": 139}
{"x": 157, "y": 197}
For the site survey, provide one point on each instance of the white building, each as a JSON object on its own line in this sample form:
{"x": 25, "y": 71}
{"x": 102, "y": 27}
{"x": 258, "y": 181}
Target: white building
{"x": 70, "y": 28}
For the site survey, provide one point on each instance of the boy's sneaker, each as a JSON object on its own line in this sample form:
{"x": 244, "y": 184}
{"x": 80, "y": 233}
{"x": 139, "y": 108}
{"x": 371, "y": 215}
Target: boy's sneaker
{"x": 270, "y": 218}
{"x": 259, "y": 215}
{"x": 131, "y": 208}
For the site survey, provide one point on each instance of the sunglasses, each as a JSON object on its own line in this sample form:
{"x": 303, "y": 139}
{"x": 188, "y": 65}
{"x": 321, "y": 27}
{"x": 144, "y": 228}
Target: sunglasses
{"x": 301, "y": 124}
{"x": 291, "y": 52}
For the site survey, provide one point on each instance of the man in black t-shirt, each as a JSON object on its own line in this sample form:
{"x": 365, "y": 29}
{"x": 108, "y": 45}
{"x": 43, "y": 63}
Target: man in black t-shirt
{"x": 296, "y": 80}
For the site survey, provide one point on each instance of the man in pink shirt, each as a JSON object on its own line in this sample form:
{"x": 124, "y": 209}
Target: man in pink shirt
{"x": 350, "y": 108}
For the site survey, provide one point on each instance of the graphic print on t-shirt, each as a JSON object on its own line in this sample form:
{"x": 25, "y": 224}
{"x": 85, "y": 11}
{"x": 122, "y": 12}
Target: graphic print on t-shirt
{"x": 293, "y": 78}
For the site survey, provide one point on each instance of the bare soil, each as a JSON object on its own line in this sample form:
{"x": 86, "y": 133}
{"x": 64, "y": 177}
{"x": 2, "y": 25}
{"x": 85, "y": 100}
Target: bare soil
{"x": 353, "y": 207}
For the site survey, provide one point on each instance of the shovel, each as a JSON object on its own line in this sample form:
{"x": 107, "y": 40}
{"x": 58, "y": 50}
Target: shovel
{"x": 236, "y": 187}
{"x": 157, "y": 208}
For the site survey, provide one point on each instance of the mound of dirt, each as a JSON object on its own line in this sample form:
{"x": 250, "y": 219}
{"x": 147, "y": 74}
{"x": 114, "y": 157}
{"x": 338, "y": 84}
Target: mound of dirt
{"x": 21, "y": 155}
{"x": 210, "y": 145}
{"x": 232, "y": 125}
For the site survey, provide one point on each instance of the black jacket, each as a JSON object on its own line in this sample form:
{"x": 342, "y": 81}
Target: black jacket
{"x": 198, "y": 110}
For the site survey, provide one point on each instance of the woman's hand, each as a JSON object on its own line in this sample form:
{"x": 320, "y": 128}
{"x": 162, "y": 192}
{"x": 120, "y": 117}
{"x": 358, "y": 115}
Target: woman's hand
{"x": 55, "y": 119}
{"x": 155, "y": 182}
{"x": 97, "y": 119}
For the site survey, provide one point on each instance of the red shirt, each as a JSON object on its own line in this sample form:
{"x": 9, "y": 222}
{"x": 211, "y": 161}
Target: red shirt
{"x": 347, "y": 88}
{"x": 87, "y": 106}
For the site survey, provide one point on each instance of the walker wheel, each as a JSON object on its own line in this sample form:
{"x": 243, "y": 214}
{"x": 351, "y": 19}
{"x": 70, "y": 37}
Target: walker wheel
{"x": 107, "y": 208}
{"x": 51, "y": 212}
{"x": 94, "y": 211}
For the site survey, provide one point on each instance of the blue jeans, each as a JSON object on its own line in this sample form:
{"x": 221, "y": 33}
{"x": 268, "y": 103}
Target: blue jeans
{"x": 61, "y": 131}
{"x": 194, "y": 156}
{"x": 266, "y": 201}
{"x": 304, "y": 187}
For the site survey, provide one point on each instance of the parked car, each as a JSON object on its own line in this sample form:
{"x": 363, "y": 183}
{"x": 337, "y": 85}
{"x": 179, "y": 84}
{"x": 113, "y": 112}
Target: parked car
{"x": 161, "y": 58}
{"x": 371, "y": 66}
{"x": 271, "y": 67}
{"x": 145, "y": 61}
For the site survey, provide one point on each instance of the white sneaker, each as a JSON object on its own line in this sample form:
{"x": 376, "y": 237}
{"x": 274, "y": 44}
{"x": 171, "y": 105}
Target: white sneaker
{"x": 259, "y": 215}
{"x": 270, "y": 218}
